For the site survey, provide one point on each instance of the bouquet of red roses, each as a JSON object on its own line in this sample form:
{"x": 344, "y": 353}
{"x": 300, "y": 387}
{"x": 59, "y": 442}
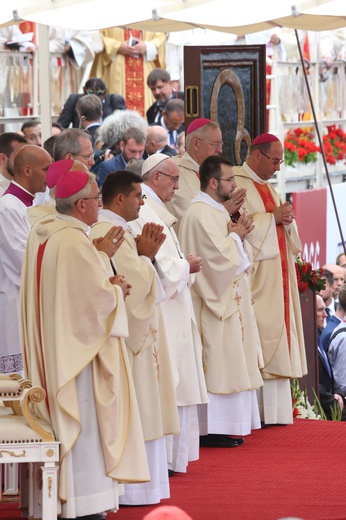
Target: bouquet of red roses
{"x": 309, "y": 278}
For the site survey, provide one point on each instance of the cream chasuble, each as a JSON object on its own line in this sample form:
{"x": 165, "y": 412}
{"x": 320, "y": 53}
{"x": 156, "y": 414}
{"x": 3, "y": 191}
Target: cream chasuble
{"x": 146, "y": 343}
{"x": 35, "y": 213}
{"x": 222, "y": 301}
{"x": 283, "y": 357}
{"x": 74, "y": 319}
{"x": 182, "y": 334}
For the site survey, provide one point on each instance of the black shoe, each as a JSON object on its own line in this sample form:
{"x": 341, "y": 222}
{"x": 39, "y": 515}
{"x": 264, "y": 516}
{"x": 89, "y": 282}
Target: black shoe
{"x": 239, "y": 440}
{"x": 171, "y": 473}
{"x": 214, "y": 440}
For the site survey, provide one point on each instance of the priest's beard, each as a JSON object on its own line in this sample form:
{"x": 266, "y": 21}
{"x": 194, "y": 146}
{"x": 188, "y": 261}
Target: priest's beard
{"x": 222, "y": 196}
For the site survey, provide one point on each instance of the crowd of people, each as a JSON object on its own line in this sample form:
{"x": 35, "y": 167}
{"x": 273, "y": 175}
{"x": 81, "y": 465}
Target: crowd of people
{"x": 148, "y": 285}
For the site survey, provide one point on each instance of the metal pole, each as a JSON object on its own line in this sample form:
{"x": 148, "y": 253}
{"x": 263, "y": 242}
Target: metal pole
{"x": 320, "y": 140}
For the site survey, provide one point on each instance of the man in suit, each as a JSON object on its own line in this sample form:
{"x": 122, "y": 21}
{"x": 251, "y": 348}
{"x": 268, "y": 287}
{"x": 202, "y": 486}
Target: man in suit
{"x": 157, "y": 142}
{"x": 32, "y": 132}
{"x": 89, "y": 110}
{"x": 132, "y": 146}
{"x": 330, "y": 395}
{"x": 335, "y": 319}
{"x": 97, "y": 86}
{"x": 172, "y": 120}
{"x": 337, "y": 347}
{"x": 160, "y": 84}
{"x": 327, "y": 294}
{"x": 339, "y": 278}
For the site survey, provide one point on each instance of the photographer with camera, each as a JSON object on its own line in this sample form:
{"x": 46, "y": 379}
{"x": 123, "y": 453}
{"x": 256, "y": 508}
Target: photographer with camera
{"x": 97, "y": 87}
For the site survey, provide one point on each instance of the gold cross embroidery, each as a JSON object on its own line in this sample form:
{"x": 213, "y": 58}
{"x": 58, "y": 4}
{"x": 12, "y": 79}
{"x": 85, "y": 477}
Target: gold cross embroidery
{"x": 237, "y": 299}
{"x": 156, "y": 361}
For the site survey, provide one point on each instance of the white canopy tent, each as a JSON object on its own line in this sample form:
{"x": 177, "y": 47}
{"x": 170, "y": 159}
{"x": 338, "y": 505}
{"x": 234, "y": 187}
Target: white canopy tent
{"x": 169, "y": 15}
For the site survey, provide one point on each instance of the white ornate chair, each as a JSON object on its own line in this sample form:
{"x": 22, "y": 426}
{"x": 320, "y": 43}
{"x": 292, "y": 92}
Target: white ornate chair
{"x": 24, "y": 438}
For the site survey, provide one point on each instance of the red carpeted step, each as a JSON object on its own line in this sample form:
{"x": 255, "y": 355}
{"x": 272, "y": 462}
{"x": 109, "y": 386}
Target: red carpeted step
{"x": 296, "y": 470}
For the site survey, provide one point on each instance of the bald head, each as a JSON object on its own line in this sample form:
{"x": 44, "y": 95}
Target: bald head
{"x": 341, "y": 260}
{"x": 156, "y": 139}
{"x": 30, "y": 166}
{"x": 79, "y": 166}
{"x": 338, "y": 275}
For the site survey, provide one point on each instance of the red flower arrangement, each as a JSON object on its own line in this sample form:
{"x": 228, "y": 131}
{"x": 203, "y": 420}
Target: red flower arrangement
{"x": 299, "y": 146}
{"x": 307, "y": 277}
{"x": 334, "y": 144}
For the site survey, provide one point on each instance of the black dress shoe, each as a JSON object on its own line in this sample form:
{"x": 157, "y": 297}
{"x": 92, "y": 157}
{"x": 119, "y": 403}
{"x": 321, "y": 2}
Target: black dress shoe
{"x": 171, "y": 473}
{"x": 239, "y": 440}
{"x": 214, "y": 440}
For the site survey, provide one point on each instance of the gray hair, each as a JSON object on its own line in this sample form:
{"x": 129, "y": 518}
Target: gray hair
{"x": 147, "y": 175}
{"x": 66, "y": 205}
{"x": 68, "y": 142}
{"x": 115, "y": 125}
{"x": 201, "y": 133}
{"x": 135, "y": 166}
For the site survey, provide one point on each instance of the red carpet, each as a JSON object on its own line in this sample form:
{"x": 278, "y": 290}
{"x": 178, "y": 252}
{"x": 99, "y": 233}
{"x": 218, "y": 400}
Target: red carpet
{"x": 296, "y": 470}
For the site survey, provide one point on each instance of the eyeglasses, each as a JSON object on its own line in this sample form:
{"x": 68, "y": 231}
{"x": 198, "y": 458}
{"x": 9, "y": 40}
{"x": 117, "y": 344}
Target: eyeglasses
{"x": 95, "y": 92}
{"x": 98, "y": 197}
{"x": 86, "y": 157}
{"x": 175, "y": 179}
{"x": 216, "y": 144}
{"x": 275, "y": 162}
{"x": 231, "y": 179}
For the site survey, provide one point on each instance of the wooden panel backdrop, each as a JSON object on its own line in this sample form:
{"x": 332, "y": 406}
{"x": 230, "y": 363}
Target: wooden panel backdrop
{"x": 227, "y": 84}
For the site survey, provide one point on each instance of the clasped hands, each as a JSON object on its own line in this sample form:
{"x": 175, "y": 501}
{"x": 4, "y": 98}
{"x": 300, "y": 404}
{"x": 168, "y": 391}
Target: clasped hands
{"x": 135, "y": 50}
{"x": 284, "y": 214}
{"x": 150, "y": 240}
{"x": 243, "y": 226}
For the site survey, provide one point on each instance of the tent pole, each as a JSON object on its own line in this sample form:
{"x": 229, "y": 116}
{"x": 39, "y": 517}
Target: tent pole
{"x": 318, "y": 133}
